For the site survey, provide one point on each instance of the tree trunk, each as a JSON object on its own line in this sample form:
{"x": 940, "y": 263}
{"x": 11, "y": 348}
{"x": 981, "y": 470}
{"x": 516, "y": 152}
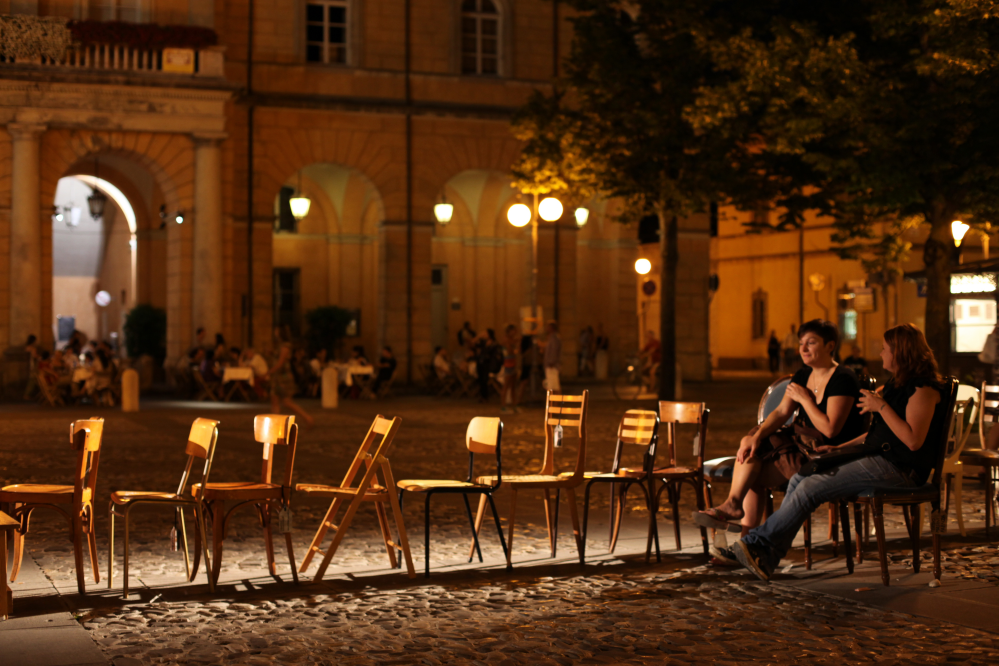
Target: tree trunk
{"x": 937, "y": 257}
{"x": 667, "y": 310}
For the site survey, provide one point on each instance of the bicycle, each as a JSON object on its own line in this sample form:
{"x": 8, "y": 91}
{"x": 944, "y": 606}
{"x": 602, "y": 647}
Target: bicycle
{"x": 637, "y": 380}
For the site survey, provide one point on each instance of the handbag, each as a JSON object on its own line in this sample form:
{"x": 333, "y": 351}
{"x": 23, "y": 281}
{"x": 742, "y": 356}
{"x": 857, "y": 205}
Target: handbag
{"x": 822, "y": 462}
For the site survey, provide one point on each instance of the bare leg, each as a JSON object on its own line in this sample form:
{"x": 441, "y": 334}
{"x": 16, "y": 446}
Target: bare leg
{"x": 744, "y": 478}
{"x": 301, "y": 413}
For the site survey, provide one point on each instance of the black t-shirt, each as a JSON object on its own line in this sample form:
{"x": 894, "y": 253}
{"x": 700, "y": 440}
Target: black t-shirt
{"x": 389, "y": 367}
{"x": 842, "y": 383}
{"x": 922, "y": 460}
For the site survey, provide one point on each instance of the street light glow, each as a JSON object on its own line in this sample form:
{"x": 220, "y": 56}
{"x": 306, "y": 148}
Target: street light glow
{"x": 643, "y": 266}
{"x": 582, "y": 215}
{"x": 550, "y": 209}
{"x": 519, "y": 215}
{"x": 958, "y": 229}
{"x": 300, "y": 206}
{"x": 443, "y": 213}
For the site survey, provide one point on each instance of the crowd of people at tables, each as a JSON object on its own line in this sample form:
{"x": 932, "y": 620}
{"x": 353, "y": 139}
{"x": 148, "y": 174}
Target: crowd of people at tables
{"x": 82, "y": 369}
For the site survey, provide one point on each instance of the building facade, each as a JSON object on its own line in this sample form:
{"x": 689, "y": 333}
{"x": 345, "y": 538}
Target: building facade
{"x": 374, "y": 110}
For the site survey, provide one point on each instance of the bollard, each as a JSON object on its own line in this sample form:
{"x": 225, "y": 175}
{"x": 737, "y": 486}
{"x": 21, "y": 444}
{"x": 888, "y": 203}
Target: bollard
{"x": 130, "y": 391}
{"x": 331, "y": 384}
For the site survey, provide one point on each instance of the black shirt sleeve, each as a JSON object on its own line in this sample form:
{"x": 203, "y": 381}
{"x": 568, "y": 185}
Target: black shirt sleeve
{"x": 843, "y": 382}
{"x": 801, "y": 376}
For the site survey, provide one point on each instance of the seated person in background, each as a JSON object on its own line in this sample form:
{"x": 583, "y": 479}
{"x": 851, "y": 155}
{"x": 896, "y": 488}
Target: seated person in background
{"x": 442, "y": 366}
{"x": 386, "y": 368}
{"x": 652, "y": 352}
{"x": 824, "y": 394}
{"x": 318, "y": 363}
{"x": 46, "y": 373}
{"x": 907, "y": 423}
{"x": 209, "y": 368}
{"x": 856, "y": 362}
{"x": 357, "y": 356}
{"x": 251, "y": 359}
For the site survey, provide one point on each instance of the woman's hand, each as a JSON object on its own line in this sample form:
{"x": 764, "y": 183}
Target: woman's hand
{"x": 870, "y": 403}
{"x": 825, "y": 448}
{"x": 746, "y": 448}
{"x": 799, "y": 394}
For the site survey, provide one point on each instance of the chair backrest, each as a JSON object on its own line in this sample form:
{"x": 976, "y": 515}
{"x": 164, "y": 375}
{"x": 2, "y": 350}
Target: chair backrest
{"x": 483, "y": 436}
{"x": 988, "y": 409}
{"x": 86, "y": 436}
{"x": 963, "y": 420}
{"x": 201, "y": 443}
{"x": 772, "y": 398}
{"x": 672, "y": 414}
{"x": 276, "y": 430}
{"x": 949, "y": 399}
{"x": 639, "y": 428}
{"x": 567, "y": 412}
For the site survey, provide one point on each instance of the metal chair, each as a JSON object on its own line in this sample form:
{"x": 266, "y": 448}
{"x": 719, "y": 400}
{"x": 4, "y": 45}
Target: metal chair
{"x": 672, "y": 414}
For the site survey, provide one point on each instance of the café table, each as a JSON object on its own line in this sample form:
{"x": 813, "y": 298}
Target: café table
{"x": 242, "y": 381}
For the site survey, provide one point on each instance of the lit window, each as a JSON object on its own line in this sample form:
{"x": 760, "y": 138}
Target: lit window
{"x": 973, "y": 320}
{"x": 480, "y": 32}
{"x": 326, "y": 31}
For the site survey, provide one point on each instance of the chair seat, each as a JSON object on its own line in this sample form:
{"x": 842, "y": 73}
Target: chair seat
{"x": 7, "y": 524}
{"x": 423, "y": 485}
{"x": 126, "y": 496}
{"x": 38, "y": 493}
{"x": 375, "y": 492}
{"x": 719, "y": 469}
{"x": 675, "y": 472}
{"x": 527, "y": 480}
{"x": 237, "y": 490}
{"x": 623, "y": 473}
{"x": 924, "y": 493}
{"x": 983, "y": 457}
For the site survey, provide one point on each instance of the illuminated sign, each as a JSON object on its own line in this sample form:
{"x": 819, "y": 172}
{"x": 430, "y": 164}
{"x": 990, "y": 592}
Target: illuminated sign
{"x": 981, "y": 283}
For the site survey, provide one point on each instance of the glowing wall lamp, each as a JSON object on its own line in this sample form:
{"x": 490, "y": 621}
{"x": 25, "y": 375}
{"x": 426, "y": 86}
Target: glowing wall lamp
{"x": 582, "y": 216}
{"x": 443, "y": 212}
{"x": 300, "y": 204}
{"x": 958, "y": 229}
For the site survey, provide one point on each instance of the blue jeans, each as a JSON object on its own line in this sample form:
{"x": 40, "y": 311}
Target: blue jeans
{"x": 807, "y": 493}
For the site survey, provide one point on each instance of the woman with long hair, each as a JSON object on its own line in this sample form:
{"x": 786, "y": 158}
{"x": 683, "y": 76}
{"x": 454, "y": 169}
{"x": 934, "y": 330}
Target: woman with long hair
{"x": 906, "y": 431}
{"x": 283, "y": 385}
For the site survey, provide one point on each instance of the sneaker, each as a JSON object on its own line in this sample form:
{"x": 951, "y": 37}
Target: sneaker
{"x": 723, "y": 557}
{"x": 749, "y": 557}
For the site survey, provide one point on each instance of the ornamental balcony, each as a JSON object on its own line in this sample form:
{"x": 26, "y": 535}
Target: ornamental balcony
{"x": 58, "y": 45}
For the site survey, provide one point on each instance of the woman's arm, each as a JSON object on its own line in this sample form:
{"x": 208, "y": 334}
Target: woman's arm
{"x": 913, "y": 429}
{"x": 770, "y": 425}
{"x": 837, "y": 411}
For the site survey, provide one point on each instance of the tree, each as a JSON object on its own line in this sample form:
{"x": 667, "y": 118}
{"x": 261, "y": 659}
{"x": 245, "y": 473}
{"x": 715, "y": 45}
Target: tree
{"x": 145, "y": 332}
{"x": 890, "y": 103}
{"x": 325, "y": 327}
{"x": 616, "y": 125}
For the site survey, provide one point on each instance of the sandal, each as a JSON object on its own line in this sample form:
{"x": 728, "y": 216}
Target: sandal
{"x": 721, "y": 522}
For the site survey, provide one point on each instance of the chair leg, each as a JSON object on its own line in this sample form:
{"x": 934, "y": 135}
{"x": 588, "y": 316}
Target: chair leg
{"x": 426, "y": 536}
{"x": 400, "y": 526}
{"x": 124, "y": 571}
{"x": 622, "y": 495}
{"x": 19, "y": 536}
{"x": 291, "y": 557}
{"x": 586, "y": 514}
{"x": 110, "y": 543}
{"x": 218, "y": 536}
{"x": 471, "y": 522}
{"x": 78, "y": 538}
{"x": 499, "y": 528}
{"x": 834, "y": 529}
{"x": 183, "y": 540}
{"x": 808, "y": 543}
{"x": 858, "y": 519}
{"x": 202, "y": 539}
{"x": 549, "y": 518}
{"x": 914, "y": 537}
{"x": 844, "y": 514}
{"x": 574, "y": 514}
{"x": 478, "y": 524}
{"x": 989, "y": 514}
{"x": 958, "y": 506}
{"x": 674, "y": 505}
{"x": 867, "y": 526}
{"x": 383, "y": 522}
{"x": 558, "y": 507}
{"x": 877, "y": 509}
{"x": 317, "y": 540}
{"x": 509, "y": 538}
{"x": 701, "y": 507}
{"x": 613, "y": 497}
{"x": 265, "y": 517}
{"x": 92, "y": 542}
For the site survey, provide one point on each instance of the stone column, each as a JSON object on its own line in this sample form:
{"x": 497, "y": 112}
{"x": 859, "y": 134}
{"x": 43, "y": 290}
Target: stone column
{"x": 25, "y": 233}
{"x": 208, "y": 251}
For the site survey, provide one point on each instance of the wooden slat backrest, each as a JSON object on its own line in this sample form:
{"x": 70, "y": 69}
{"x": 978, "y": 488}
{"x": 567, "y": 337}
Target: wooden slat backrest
{"x": 638, "y": 427}
{"x": 964, "y": 420}
{"x": 86, "y": 437}
{"x": 276, "y": 430}
{"x": 201, "y": 443}
{"x": 569, "y": 413}
{"x": 372, "y": 440}
{"x": 988, "y": 409}
{"x": 483, "y": 434}
{"x": 672, "y": 414}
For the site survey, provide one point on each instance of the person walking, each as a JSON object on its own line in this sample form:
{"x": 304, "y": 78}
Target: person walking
{"x": 282, "y": 380}
{"x": 773, "y": 352}
{"x": 511, "y": 350}
{"x": 553, "y": 355}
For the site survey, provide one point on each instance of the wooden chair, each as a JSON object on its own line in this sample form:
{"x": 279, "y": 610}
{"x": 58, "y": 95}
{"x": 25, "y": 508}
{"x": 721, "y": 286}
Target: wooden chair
{"x": 910, "y": 499}
{"x": 984, "y": 457}
{"x": 271, "y": 430}
{"x": 375, "y": 486}
{"x": 200, "y": 444}
{"x": 20, "y": 500}
{"x": 962, "y": 423}
{"x": 482, "y": 436}
{"x": 639, "y": 431}
{"x": 673, "y": 476}
{"x": 48, "y": 395}
{"x": 206, "y": 390}
{"x": 561, "y": 412}
{"x": 7, "y": 528}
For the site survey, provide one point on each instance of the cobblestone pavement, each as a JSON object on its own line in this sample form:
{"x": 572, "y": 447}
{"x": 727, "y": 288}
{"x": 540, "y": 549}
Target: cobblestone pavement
{"x": 617, "y": 613}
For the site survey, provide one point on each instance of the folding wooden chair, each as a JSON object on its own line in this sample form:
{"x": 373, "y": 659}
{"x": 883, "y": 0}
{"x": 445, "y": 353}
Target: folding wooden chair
{"x": 271, "y": 430}
{"x": 200, "y": 444}
{"x": 20, "y": 500}
{"x": 483, "y": 436}
{"x": 562, "y": 412}
{"x": 638, "y": 430}
{"x": 376, "y": 486}
{"x": 48, "y": 395}
{"x": 672, "y": 414}
{"x": 206, "y": 390}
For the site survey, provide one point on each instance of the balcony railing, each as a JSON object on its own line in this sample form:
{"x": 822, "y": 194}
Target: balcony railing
{"x": 50, "y": 42}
